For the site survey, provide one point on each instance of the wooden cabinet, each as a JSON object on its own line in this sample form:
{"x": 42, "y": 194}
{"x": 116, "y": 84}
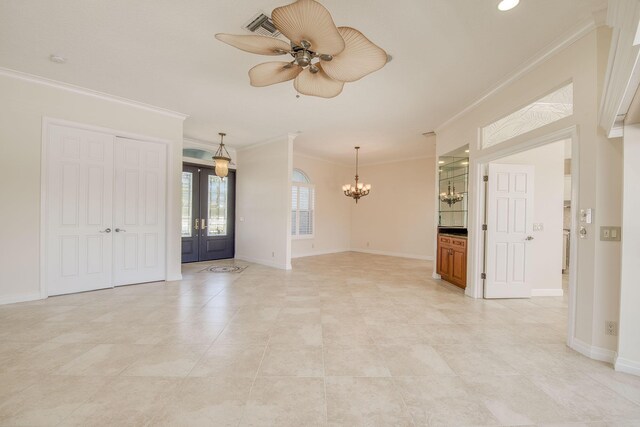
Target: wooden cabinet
{"x": 451, "y": 263}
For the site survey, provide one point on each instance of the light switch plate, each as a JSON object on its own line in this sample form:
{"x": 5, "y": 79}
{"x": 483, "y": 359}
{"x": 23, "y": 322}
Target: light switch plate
{"x": 610, "y": 234}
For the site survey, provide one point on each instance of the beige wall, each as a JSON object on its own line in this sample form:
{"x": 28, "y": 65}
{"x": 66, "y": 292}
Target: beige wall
{"x": 333, "y": 210}
{"x": 584, "y": 63}
{"x": 263, "y": 203}
{"x": 546, "y": 248}
{"x": 397, "y": 217}
{"x": 22, "y": 108}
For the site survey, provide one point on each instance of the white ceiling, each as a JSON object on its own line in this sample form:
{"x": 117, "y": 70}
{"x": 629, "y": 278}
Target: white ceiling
{"x": 446, "y": 53}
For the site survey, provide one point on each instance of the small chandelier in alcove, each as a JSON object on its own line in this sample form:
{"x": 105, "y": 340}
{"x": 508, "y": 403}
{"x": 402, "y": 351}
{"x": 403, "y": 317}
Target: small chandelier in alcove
{"x": 451, "y": 197}
{"x": 222, "y": 158}
{"x": 358, "y": 190}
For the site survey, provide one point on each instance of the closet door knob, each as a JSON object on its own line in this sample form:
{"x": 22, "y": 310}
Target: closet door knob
{"x": 106, "y": 230}
{"x": 120, "y": 230}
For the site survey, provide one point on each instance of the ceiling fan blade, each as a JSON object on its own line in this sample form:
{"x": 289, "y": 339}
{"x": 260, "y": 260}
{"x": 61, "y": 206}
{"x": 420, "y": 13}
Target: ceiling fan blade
{"x": 317, "y": 84}
{"x": 261, "y": 45}
{"x": 309, "y": 20}
{"x": 359, "y": 57}
{"x": 271, "y": 73}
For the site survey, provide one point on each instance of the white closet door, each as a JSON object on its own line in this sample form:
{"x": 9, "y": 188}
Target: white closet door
{"x": 78, "y": 207}
{"x": 139, "y": 211}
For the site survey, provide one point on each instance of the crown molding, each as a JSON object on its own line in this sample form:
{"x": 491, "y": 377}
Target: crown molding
{"x": 32, "y": 78}
{"x": 318, "y": 158}
{"x": 579, "y": 31}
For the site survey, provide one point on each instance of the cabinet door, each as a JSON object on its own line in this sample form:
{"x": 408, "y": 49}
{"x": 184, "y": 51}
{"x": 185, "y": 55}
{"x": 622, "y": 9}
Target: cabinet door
{"x": 459, "y": 266}
{"x": 444, "y": 260}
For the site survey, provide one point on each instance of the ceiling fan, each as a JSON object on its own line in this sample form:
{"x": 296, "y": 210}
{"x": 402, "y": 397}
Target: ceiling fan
{"x": 325, "y": 57}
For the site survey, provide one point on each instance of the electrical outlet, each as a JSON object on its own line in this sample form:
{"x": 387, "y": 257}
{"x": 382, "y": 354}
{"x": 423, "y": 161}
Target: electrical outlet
{"x": 611, "y": 328}
{"x": 313, "y": 246}
{"x": 273, "y": 254}
{"x": 367, "y": 244}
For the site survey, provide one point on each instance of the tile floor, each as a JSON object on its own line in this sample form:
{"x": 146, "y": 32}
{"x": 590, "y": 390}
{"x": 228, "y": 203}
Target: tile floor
{"x": 347, "y": 339}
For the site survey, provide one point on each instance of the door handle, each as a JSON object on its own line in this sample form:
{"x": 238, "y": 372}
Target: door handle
{"x": 106, "y": 230}
{"x": 120, "y": 230}
{"x": 529, "y": 238}
{"x": 203, "y": 222}
{"x": 197, "y": 226}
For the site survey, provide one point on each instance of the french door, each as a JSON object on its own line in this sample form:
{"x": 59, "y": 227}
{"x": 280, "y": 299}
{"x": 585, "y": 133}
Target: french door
{"x": 208, "y": 214}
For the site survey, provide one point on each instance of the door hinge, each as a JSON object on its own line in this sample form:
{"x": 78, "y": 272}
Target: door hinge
{"x": 483, "y": 275}
{"x": 484, "y": 227}
{"x": 485, "y": 178}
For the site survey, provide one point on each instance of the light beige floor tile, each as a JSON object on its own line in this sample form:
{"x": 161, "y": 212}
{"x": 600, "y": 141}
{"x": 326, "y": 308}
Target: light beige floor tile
{"x": 285, "y": 402}
{"x": 583, "y": 395}
{"x": 290, "y": 361}
{"x": 413, "y": 360}
{"x": 124, "y": 402}
{"x": 48, "y": 400}
{"x": 166, "y": 361}
{"x": 229, "y": 361}
{"x": 104, "y": 360}
{"x": 206, "y": 402}
{"x": 442, "y": 400}
{"x": 469, "y": 359}
{"x": 44, "y": 358}
{"x": 303, "y": 334}
{"x": 515, "y": 399}
{"x": 365, "y": 401}
{"x": 355, "y": 361}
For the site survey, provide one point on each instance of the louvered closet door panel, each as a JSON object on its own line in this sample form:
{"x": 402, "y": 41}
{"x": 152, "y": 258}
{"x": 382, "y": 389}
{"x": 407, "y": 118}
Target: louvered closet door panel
{"x": 139, "y": 211}
{"x": 78, "y": 207}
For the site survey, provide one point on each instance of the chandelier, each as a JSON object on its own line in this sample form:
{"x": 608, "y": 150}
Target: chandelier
{"x": 358, "y": 190}
{"x": 222, "y": 158}
{"x": 451, "y": 197}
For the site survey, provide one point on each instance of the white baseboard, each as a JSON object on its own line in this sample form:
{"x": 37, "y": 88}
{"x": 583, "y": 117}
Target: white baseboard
{"x": 627, "y": 366}
{"x": 436, "y": 276}
{"x": 394, "y": 254}
{"x": 547, "y": 292}
{"x": 317, "y": 253}
{"x": 268, "y": 263}
{"x": 12, "y": 299}
{"x": 593, "y": 352}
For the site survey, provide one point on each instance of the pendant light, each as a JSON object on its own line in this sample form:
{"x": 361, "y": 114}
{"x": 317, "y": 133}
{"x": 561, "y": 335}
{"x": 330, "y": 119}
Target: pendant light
{"x": 358, "y": 190}
{"x": 222, "y": 158}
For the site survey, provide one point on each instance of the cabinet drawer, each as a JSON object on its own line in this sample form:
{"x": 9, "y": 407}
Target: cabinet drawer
{"x": 459, "y": 243}
{"x": 445, "y": 240}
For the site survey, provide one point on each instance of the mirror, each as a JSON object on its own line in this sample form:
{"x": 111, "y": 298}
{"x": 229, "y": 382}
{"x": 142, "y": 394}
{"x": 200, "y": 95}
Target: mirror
{"x": 453, "y": 175}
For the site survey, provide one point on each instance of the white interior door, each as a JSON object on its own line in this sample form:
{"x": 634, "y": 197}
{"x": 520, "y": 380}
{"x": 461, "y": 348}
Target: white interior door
{"x": 78, "y": 208}
{"x": 139, "y": 211}
{"x": 509, "y": 231}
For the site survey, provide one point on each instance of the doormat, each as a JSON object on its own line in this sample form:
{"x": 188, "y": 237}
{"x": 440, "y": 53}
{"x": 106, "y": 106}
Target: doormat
{"x": 224, "y": 269}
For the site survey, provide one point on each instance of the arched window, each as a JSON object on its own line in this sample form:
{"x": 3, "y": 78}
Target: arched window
{"x": 302, "y": 205}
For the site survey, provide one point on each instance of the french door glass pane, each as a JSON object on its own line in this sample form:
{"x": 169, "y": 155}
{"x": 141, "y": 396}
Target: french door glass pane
{"x": 217, "y": 206}
{"x": 187, "y": 203}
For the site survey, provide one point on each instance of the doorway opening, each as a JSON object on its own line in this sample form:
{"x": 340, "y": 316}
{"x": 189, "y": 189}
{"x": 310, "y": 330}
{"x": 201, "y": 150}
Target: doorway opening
{"x": 208, "y": 214}
{"x": 527, "y": 223}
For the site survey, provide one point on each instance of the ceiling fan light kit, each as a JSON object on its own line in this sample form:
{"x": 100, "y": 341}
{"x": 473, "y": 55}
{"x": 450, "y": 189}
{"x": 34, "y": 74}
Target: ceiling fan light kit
{"x": 325, "y": 57}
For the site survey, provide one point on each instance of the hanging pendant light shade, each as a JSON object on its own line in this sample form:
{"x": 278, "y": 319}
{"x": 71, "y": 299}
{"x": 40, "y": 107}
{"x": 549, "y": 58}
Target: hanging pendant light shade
{"x": 222, "y": 158}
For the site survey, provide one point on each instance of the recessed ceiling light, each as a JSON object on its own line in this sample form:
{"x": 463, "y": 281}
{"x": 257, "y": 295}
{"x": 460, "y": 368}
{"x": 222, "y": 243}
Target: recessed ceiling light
{"x": 441, "y": 162}
{"x": 505, "y": 5}
{"x": 466, "y": 151}
{"x": 464, "y": 163}
{"x": 57, "y": 59}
